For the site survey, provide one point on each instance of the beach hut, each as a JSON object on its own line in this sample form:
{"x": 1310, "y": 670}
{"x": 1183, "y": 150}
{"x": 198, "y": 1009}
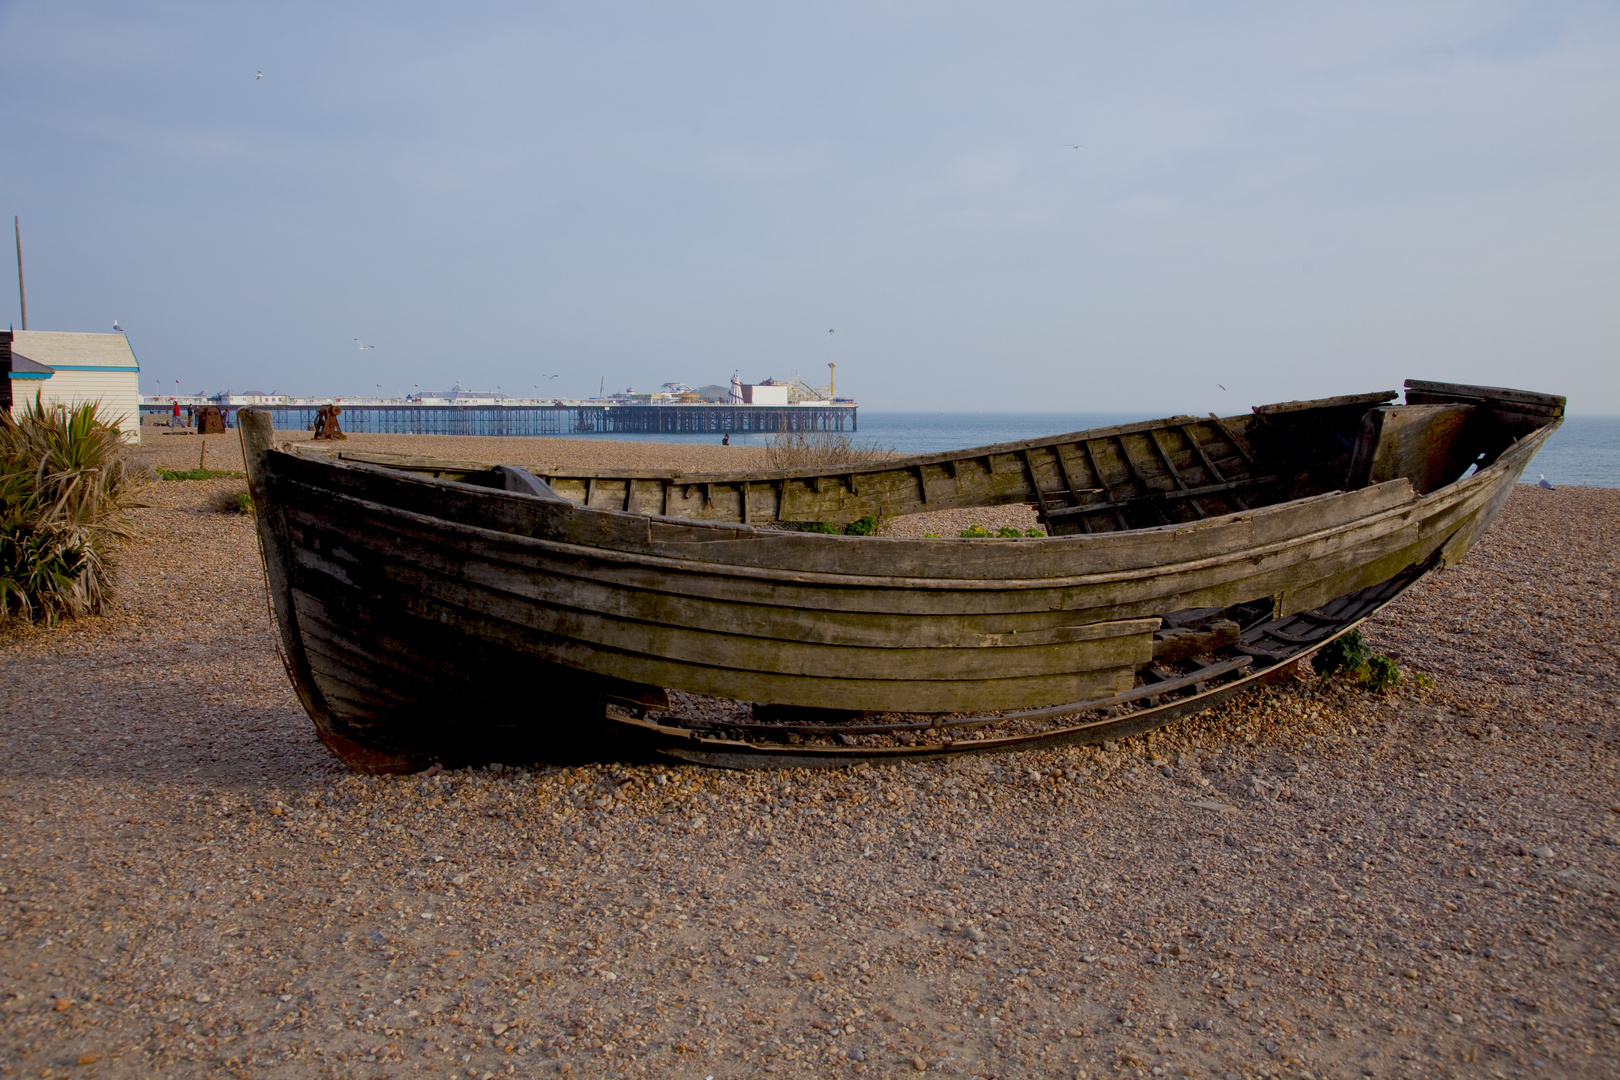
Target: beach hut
{"x": 71, "y": 369}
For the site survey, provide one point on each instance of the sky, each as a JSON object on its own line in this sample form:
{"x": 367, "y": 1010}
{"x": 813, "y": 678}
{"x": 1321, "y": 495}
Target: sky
{"x": 1285, "y": 200}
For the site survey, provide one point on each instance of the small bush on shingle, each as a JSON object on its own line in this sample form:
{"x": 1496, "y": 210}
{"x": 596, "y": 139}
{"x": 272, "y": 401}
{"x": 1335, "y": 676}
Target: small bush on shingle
{"x": 67, "y": 480}
{"x": 1348, "y": 653}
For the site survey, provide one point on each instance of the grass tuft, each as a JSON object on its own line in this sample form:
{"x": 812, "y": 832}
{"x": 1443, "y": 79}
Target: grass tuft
{"x": 819, "y": 449}
{"x": 67, "y": 480}
{"x": 1006, "y": 532}
{"x": 234, "y": 502}
{"x": 195, "y": 474}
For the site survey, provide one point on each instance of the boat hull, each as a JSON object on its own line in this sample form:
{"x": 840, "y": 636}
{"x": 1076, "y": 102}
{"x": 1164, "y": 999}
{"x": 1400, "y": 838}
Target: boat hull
{"x": 428, "y": 620}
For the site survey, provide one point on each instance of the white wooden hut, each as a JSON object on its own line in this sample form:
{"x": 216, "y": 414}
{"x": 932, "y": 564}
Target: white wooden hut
{"x": 71, "y": 369}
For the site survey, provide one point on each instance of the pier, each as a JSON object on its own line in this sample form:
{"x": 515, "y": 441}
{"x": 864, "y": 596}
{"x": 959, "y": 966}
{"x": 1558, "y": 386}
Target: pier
{"x": 409, "y": 418}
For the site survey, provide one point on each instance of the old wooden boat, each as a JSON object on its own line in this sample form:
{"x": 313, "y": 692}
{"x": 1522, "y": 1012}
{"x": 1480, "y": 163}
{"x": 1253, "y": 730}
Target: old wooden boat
{"x": 436, "y": 610}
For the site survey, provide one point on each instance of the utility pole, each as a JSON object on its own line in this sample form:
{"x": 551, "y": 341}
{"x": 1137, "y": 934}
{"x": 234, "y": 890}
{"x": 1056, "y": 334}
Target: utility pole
{"x": 22, "y": 294}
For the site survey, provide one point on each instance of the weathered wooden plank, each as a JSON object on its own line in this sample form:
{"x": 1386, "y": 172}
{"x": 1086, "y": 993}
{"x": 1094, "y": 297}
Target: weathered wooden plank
{"x": 678, "y": 627}
{"x": 1127, "y": 644}
{"x": 799, "y": 557}
{"x": 1345, "y": 401}
{"x": 1168, "y": 496}
{"x": 1124, "y": 595}
{"x": 1246, "y": 536}
{"x": 1431, "y": 445}
{"x": 525, "y": 644}
{"x": 1172, "y": 644}
{"x": 1102, "y": 481}
{"x": 890, "y": 487}
{"x": 1202, "y": 452}
{"x": 700, "y": 603}
{"x": 1229, "y": 428}
{"x": 1157, "y": 439}
{"x": 1006, "y": 473}
{"x": 1069, "y": 486}
{"x": 1442, "y": 392}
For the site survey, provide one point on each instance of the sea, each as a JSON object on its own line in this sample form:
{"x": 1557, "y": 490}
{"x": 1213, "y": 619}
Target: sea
{"x": 1585, "y": 452}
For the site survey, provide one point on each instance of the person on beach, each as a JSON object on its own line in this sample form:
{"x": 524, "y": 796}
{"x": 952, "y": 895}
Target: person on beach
{"x": 725, "y": 440}
{"x": 174, "y": 418}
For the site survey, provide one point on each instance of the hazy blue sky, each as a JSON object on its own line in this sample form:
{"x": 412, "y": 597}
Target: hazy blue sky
{"x": 1291, "y": 199}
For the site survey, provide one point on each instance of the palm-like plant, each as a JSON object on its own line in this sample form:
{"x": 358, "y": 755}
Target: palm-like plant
{"x": 66, "y": 482}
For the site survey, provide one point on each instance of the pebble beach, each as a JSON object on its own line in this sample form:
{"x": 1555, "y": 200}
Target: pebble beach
{"x": 1309, "y": 881}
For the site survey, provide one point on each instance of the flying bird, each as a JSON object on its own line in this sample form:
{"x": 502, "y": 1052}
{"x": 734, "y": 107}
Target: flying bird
{"x": 1222, "y": 387}
{"x": 116, "y": 328}
{"x": 1546, "y": 483}
{"x": 1075, "y": 146}
{"x": 363, "y": 345}
{"x": 260, "y": 75}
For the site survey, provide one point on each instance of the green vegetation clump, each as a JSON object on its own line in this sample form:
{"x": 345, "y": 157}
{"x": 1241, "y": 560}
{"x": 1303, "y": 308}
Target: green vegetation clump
{"x": 979, "y": 532}
{"x": 1348, "y": 653}
{"x": 66, "y": 482}
{"x": 234, "y": 502}
{"x": 865, "y": 526}
{"x": 1381, "y": 674}
{"x": 195, "y": 474}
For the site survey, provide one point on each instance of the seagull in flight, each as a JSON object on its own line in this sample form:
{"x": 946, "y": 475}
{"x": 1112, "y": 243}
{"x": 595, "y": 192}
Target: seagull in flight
{"x": 1075, "y": 146}
{"x": 1222, "y": 387}
{"x": 1546, "y": 483}
{"x": 260, "y": 75}
{"x": 116, "y": 328}
{"x": 363, "y": 345}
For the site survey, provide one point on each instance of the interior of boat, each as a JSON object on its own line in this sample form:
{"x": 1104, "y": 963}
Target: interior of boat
{"x": 1132, "y": 476}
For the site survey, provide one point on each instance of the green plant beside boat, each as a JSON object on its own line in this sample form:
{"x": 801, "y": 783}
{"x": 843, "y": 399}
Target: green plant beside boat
{"x": 196, "y": 474}
{"x": 1348, "y": 655}
{"x": 67, "y": 480}
{"x": 234, "y": 502}
{"x": 979, "y": 532}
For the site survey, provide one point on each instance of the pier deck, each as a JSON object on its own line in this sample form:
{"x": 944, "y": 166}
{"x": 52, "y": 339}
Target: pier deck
{"x": 410, "y": 419}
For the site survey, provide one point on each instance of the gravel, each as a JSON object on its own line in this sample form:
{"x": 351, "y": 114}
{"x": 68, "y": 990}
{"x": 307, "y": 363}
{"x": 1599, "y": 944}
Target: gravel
{"x": 1314, "y": 881}
{"x": 225, "y": 451}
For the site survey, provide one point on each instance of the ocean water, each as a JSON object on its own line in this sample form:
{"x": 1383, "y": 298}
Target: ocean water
{"x": 1586, "y": 450}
